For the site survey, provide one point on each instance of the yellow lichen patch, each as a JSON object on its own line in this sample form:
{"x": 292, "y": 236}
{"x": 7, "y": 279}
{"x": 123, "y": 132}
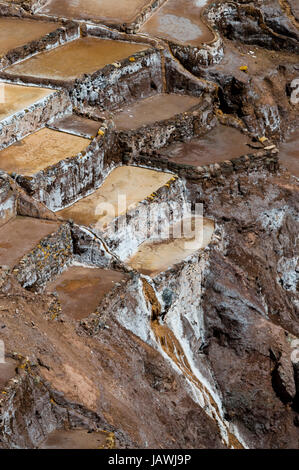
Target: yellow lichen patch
{"x": 132, "y": 59}
{"x": 110, "y": 440}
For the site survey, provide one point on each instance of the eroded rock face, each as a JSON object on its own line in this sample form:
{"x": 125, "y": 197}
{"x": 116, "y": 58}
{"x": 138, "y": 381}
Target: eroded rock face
{"x": 251, "y": 310}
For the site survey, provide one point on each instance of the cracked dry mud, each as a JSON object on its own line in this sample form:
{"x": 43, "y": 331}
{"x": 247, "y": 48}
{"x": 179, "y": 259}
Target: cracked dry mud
{"x": 123, "y": 322}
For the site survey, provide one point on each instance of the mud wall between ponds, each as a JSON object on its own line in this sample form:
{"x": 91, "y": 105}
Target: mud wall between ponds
{"x": 181, "y": 127}
{"x": 63, "y": 34}
{"x": 8, "y": 200}
{"x": 214, "y": 174}
{"x": 62, "y": 184}
{"x": 116, "y": 86}
{"x": 46, "y": 260}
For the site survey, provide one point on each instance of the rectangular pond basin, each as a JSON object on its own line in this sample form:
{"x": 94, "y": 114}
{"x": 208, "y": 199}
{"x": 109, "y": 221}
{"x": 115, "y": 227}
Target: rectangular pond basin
{"x": 220, "y": 144}
{"x": 40, "y": 150}
{"x": 16, "y": 32}
{"x": 154, "y": 257}
{"x": 294, "y": 8}
{"x": 123, "y": 188}
{"x": 15, "y": 98}
{"x": 112, "y": 11}
{"x": 180, "y": 22}
{"x": 73, "y": 60}
{"x": 20, "y": 235}
{"x": 80, "y": 289}
{"x": 153, "y": 109}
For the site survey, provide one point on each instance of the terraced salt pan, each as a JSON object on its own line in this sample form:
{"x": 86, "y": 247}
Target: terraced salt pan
{"x": 77, "y": 125}
{"x": 78, "y": 439}
{"x": 15, "y": 98}
{"x": 221, "y": 143}
{"x": 127, "y": 184}
{"x": 112, "y": 11}
{"x": 153, "y": 258}
{"x": 81, "y": 289}
{"x": 72, "y": 60}
{"x": 39, "y": 150}
{"x": 21, "y": 235}
{"x": 180, "y": 22}
{"x": 153, "y": 109}
{"x": 289, "y": 154}
{"x": 15, "y": 32}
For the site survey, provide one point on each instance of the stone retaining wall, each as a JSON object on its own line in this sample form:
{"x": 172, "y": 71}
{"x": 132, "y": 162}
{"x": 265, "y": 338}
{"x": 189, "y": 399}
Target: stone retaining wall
{"x": 70, "y": 179}
{"x": 22, "y": 123}
{"x": 89, "y": 249}
{"x": 114, "y": 85}
{"x": 8, "y": 200}
{"x": 194, "y": 57}
{"x": 62, "y": 35}
{"x": 46, "y": 260}
{"x": 121, "y": 83}
{"x": 179, "y": 80}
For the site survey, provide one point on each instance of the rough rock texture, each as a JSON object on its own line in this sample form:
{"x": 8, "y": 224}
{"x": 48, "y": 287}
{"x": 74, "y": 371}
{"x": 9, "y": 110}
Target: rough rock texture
{"x": 108, "y": 395}
{"x": 262, "y": 24}
{"x": 213, "y": 174}
{"x": 257, "y": 96}
{"x": 139, "y": 75}
{"x": 46, "y": 260}
{"x": 7, "y": 199}
{"x": 111, "y": 86}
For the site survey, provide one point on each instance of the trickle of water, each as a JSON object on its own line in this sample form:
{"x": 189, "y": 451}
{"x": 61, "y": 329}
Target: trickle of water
{"x": 172, "y": 347}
